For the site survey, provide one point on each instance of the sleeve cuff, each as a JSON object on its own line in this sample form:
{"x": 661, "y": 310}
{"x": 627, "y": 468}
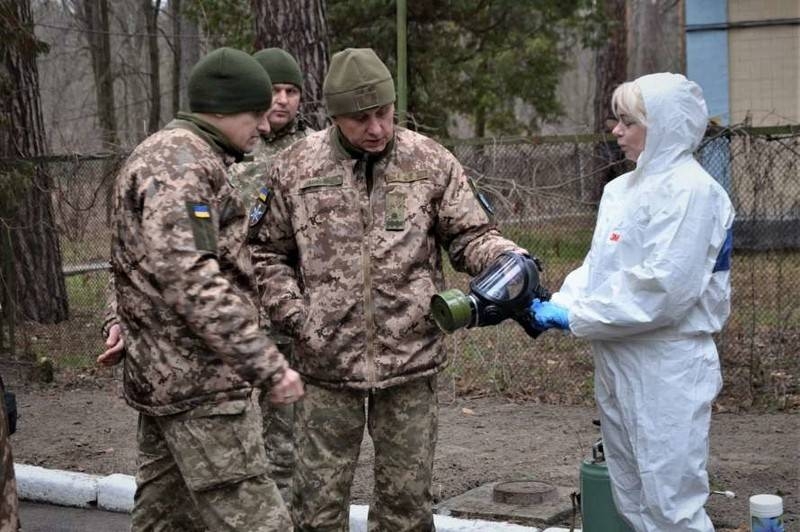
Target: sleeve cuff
{"x": 107, "y": 324}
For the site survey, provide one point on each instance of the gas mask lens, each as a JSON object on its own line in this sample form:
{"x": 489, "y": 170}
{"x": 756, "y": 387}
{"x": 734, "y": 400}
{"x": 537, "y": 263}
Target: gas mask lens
{"x": 503, "y": 290}
{"x": 502, "y": 283}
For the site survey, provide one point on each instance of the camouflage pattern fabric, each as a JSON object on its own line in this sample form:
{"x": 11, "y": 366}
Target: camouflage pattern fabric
{"x": 347, "y": 265}
{"x": 368, "y": 260}
{"x": 206, "y": 470}
{"x": 110, "y": 316}
{"x": 9, "y": 504}
{"x": 249, "y": 177}
{"x": 278, "y": 435}
{"x": 183, "y": 279}
{"x": 402, "y": 421}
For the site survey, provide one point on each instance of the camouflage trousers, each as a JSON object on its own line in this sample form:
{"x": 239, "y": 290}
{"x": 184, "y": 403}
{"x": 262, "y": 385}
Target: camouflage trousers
{"x": 402, "y": 422}
{"x": 278, "y": 421}
{"x": 205, "y": 469}
{"x": 9, "y": 505}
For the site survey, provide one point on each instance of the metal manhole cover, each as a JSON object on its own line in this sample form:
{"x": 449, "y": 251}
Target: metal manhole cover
{"x": 524, "y": 492}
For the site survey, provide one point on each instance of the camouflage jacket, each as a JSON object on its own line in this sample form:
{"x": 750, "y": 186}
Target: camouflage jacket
{"x": 9, "y": 502}
{"x": 182, "y": 277}
{"x": 368, "y": 259}
{"x": 248, "y": 176}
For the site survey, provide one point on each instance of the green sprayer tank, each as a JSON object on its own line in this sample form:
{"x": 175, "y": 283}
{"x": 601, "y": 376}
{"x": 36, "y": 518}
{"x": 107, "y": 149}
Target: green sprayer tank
{"x": 597, "y": 506}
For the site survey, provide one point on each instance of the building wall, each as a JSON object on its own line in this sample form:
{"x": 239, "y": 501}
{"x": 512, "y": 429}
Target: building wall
{"x": 764, "y": 63}
{"x": 707, "y": 55}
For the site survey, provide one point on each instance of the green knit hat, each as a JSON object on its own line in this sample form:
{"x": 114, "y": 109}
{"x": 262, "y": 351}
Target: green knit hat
{"x": 357, "y": 80}
{"x": 281, "y": 66}
{"x": 229, "y": 81}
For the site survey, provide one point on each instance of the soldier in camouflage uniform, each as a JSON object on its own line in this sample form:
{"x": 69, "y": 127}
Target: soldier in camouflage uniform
{"x": 193, "y": 346}
{"x": 286, "y": 127}
{"x": 9, "y": 504}
{"x": 285, "y": 124}
{"x": 347, "y": 250}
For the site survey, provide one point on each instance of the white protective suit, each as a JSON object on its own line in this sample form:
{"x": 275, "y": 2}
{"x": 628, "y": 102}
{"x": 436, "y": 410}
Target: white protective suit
{"x": 648, "y": 298}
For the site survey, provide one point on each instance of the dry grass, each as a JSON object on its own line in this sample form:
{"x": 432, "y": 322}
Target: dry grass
{"x": 759, "y": 347}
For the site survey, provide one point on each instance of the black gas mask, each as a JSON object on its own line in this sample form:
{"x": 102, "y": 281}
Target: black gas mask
{"x": 503, "y": 290}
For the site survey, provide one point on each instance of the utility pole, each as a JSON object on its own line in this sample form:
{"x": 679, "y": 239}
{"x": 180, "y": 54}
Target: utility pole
{"x": 402, "y": 62}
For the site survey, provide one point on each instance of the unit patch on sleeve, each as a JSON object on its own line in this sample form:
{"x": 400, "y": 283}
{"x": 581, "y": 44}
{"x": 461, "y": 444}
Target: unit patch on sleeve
{"x": 486, "y": 205}
{"x": 205, "y": 237}
{"x": 261, "y": 206}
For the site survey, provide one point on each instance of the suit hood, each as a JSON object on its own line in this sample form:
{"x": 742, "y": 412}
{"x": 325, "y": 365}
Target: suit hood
{"x": 676, "y": 120}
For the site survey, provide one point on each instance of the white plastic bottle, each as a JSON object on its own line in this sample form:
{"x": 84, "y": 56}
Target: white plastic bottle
{"x": 766, "y": 513}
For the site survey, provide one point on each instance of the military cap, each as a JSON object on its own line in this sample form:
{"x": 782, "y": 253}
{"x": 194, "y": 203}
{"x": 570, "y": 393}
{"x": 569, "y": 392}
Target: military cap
{"x": 357, "y": 80}
{"x": 229, "y": 81}
{"x": 281, "y": 66}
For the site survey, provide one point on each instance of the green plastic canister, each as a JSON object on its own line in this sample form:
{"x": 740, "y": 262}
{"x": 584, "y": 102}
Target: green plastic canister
{"x": 597, "y": 506}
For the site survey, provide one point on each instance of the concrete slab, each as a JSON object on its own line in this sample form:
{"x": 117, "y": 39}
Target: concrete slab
{"x": 358, "y": 523}
{"x": 478, "y": 504}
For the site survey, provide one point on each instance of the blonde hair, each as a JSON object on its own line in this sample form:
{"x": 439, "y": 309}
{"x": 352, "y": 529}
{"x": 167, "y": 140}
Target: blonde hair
{"x": 627, "y": 101}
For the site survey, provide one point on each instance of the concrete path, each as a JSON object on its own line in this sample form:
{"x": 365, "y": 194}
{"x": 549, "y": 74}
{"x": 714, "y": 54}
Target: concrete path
{"x": 41, "y": 517}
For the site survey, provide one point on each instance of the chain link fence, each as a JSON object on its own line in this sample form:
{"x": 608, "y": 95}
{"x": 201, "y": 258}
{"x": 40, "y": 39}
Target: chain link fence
{"x": 545, "y": 193}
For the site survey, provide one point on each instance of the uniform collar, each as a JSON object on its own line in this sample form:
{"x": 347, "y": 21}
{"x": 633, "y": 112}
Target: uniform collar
{"x": 347, "y": 151}
{"x": 209, "y": 133}
{"x": 289, "y": 129}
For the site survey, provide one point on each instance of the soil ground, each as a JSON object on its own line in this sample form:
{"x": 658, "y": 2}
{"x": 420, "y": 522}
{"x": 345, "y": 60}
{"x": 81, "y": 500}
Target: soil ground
{"x": 85, "y": 425}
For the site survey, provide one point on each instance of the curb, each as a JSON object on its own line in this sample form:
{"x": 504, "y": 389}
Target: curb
{"x": 114, "y": 493}
{"x": 64, "y": 488}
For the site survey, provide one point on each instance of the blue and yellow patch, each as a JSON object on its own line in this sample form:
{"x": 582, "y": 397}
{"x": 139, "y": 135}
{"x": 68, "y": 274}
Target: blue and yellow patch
{"x": 205, "y": 236}
{"x": 261, "y": 206}
{"x": 201, "y": 211}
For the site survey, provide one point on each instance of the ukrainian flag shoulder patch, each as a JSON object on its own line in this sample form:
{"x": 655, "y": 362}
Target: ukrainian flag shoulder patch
{"x": 200, "y": 210}
{"x": 204, "y": 232}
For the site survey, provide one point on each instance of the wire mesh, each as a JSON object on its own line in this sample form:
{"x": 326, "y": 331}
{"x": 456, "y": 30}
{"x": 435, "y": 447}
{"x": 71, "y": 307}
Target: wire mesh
{"x": 545, "y": 193}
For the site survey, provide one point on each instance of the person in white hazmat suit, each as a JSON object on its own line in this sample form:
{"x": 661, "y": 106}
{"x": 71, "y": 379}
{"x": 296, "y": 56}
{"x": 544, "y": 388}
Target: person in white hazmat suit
{"x": 653, "y": 287}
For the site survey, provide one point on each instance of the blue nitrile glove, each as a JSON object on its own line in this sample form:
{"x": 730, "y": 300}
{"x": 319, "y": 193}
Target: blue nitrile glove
{"x": 548, "y": 315}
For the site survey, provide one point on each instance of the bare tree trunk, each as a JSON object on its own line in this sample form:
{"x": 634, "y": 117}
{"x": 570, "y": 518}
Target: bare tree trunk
{"x": 191, "y": 50}
{"x": 611, "y": 63}
{"x": 25, "y": 209}
{"x": 177, "y": 50}
{"x": 151, "y": 18}
{"x": 300, "y": 27}
{"x": 94, "y": 17}
{"x": 655, "y": 42}
{"x": 94, "y": 14}
{"x": 129, "y": 20}
{"x": 610, "y": 70}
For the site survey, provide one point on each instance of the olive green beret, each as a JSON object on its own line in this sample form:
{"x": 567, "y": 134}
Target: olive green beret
{"x": 281, "y": 66}
{"x": 228, "y": 81}
{"x": 357, "y": 80}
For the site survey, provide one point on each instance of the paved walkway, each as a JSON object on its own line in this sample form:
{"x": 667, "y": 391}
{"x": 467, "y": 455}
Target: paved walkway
{"x": 41, "y": 517}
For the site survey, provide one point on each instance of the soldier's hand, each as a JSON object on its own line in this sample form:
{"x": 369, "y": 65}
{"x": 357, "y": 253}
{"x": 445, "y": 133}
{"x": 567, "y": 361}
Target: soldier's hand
{"x": 288, "y": 390}
{"x": 116, "y": 347}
